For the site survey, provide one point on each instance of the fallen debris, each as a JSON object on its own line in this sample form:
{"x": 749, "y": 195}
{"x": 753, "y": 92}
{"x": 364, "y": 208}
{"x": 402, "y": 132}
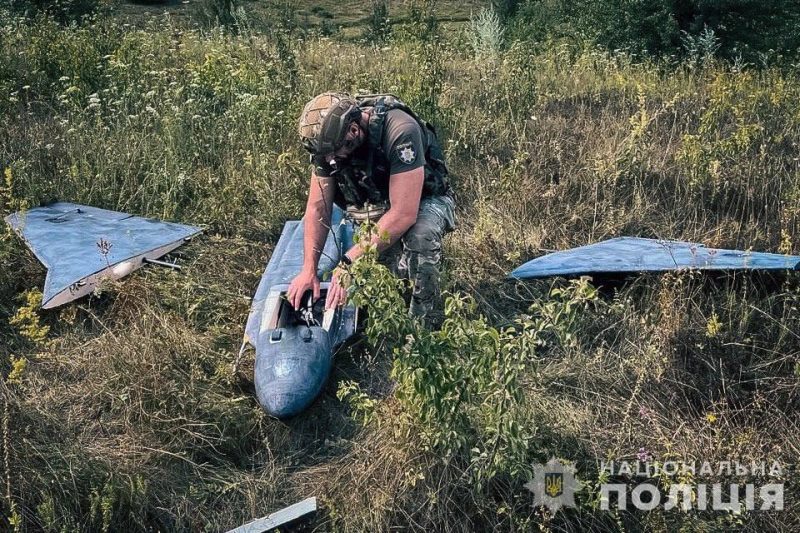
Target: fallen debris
{"x": 82, "y": 245}
{"x": 285, "y": 517}
{"x": 636, "y": 254}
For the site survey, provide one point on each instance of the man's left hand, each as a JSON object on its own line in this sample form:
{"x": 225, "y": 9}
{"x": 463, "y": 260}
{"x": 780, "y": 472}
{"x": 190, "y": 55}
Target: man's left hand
{"x": 337, "y": 291}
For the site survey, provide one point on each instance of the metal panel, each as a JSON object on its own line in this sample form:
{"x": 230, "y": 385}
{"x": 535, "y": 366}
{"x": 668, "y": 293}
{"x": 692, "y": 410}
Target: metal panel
{"x": 285, "y": 517}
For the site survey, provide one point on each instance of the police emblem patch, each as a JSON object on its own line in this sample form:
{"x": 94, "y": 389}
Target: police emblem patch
{"x": 554, "y": 485}
{"x": 406, "y": 153}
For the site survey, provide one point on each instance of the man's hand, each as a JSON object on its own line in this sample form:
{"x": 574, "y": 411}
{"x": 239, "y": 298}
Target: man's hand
{"x": 337, "y": 291}
{"x": 304, "y": 281}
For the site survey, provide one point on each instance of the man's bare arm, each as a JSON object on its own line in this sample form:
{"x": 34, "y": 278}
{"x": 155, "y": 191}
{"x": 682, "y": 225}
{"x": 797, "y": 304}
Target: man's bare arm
{"x": 405, "y": 191}
{"x": 316, "y": 222}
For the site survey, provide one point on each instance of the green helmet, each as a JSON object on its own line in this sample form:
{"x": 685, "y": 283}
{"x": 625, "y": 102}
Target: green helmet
{"x": 324, "y": 121}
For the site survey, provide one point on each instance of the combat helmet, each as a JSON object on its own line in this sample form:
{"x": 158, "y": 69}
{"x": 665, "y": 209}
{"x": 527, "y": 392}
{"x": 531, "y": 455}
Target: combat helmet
{"x": 324, "y": 121}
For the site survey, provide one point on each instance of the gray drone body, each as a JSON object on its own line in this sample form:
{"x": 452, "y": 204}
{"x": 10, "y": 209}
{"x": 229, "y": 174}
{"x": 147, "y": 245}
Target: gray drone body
{"x": 294, "y": 349}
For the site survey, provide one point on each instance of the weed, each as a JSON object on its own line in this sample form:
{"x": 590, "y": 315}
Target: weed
{"x": 27, "y": 320}
{"x": 486, "y": 33}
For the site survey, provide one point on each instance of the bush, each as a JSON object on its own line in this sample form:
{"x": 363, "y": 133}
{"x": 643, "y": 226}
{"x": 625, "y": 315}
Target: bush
{"x": 212, "y": 13}
{"x": 486, "y": 33}
{"x": 460, "y": 387}
{"x": 63, "y": 11}
{"x": 378, "y": 25}
{"x": 745, "y": 28}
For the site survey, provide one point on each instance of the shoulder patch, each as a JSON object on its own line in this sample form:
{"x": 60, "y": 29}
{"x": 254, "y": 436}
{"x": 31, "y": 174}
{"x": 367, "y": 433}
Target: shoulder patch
{"x": 406, "y": 153}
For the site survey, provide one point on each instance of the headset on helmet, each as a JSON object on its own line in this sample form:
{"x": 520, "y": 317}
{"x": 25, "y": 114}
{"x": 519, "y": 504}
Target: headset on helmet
{"x": 324, "y": 121}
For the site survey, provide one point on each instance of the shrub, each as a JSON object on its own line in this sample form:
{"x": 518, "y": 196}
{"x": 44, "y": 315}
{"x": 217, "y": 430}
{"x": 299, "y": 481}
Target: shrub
{"x": 486, "y": 33}
{"x": 63, "y": 11}
{"x": 213, "y": 13}
{"x": 378, "y": 26}
{"x": 460, "y": 386}
{"x": 744, "y": 28}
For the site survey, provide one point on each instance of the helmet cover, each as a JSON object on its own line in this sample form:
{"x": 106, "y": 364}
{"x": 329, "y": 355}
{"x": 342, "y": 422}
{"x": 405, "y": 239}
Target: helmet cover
{"x": 324, "y": 121}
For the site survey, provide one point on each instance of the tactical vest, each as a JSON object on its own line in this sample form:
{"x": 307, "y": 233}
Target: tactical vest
{"x": 366, "y": 181}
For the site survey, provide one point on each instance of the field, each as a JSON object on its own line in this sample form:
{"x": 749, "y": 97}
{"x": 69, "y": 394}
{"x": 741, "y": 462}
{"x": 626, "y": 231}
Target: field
{"x": 128, "y": 411}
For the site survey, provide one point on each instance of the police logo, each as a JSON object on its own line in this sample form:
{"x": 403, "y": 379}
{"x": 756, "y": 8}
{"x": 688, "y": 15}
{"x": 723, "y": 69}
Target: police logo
{"x": 554, "y": 484}
{"x": 406, "y": 154}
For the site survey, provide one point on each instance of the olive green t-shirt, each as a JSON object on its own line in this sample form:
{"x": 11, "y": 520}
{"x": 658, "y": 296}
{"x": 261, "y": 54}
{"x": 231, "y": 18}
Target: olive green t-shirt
{"x": 402, "y": 145}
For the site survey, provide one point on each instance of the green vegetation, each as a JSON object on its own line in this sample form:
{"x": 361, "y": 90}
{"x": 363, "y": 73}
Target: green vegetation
{"x": 754, "y": 31}
{"x": 122, "y": 412}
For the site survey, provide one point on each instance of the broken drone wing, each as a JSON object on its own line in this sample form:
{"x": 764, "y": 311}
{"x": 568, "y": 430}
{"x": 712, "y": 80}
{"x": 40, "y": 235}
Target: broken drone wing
{"x": 636, "y": 254}
{"x": 82, "y": 245}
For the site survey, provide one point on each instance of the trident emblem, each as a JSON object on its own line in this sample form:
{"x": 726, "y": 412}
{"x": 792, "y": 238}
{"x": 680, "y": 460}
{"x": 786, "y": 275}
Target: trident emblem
{"x": 554, "y": 484}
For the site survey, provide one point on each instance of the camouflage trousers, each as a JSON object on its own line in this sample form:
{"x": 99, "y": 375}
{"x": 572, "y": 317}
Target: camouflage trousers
{"x": 417, "y": 256}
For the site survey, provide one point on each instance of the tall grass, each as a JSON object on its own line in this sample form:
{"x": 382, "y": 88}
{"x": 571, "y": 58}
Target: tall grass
{"x": 126, "y": 415}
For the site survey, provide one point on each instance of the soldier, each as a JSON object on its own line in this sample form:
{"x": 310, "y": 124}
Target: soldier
{"x": 374, "y": 157}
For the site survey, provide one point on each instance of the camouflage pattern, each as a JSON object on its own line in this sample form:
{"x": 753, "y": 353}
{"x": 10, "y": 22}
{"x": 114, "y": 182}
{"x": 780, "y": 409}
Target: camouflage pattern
{"x": 318, "y": 134}
{"x": 417, "y": 256}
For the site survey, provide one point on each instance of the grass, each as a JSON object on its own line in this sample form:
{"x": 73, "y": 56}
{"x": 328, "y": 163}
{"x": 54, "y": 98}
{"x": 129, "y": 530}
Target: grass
{"x": 127, "y": 415}
{"x": 346, "y": 20}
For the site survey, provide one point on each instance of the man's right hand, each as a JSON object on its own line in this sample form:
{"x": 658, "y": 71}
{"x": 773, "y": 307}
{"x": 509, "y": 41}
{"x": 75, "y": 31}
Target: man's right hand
{"x": 304, "y": 281}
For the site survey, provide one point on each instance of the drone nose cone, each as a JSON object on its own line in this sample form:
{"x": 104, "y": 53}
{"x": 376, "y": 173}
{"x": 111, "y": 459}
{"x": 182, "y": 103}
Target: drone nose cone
{"x": 284, "y": 405}
{"x": 291, "y": 371}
